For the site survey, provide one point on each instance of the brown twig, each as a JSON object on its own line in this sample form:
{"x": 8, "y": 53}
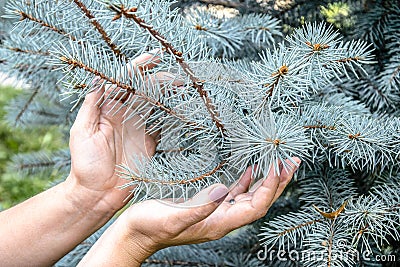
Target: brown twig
{"x": 348, "y": 59}
{"x": 319, "y": 127}
{"x": 169, "y": 48}
{"x": 179, "y": 182}
{"x": 317, "y": 47}
{"x": 276, "y": 142}
{"x": 99, "y": 28}
{"x": 174, "y": 150}
{"x": 32, "y": 52}
{"x": 299, "y": 226}
{"x": 334, "y": 214}
{"x": 36, "y": 165}
{"x": 77, "y": 64}
{"x": 283, "y": 70}
{"x": 46, "y": 25}
{"x": 24, "y": 109}
{"x": 354, "y": 136}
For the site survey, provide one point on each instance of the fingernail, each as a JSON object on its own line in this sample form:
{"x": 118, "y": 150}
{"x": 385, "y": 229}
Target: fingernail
{"x": 218, "y": 194}
{"x": 155, "y": 51}
{"x": 298, "y": 161}
{"x": 256, "y": 185}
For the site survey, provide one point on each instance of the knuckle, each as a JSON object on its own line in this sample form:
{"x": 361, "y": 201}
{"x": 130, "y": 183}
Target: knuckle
{"x": 171, "y": 229}
{"x": 195, "y": 215}
{"x": 215, "y": 235}
{"x": 262, "y": 213}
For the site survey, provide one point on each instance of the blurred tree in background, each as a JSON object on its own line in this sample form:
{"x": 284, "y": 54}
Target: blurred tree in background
{"x": 330, "y": 95}
{"x": 13, "y": 187}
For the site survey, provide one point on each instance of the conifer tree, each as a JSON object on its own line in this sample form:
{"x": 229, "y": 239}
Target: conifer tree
{"x": 259, "y": 83}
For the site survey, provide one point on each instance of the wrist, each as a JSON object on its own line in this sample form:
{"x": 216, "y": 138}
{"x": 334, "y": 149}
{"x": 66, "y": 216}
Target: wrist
{"x": 88, "y": 202}
{"x": 133, "y": 243}
{"x": 119, "y": 246}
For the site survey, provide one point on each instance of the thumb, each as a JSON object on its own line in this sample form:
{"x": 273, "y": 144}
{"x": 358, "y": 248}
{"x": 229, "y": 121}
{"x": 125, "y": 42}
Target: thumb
{"x": 203, "y": 204}
{"x": 89, "y": 113}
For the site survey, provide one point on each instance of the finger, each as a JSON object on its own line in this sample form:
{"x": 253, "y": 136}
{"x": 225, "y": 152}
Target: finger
{"x": 138, "y": 65}
{"x": 264, "y": 195}
{"x": 241, "y": 185}
{"x": 286, "y": 176}
{"x": 200, "y": 206}
{"x": 144, "y": 62}
{"x": 112, "y": 116}
{"x": 164, "y": 79}
{"x": 247, "y": 208}
{"x": 134, "y": 138}
{"x": 89, "y": 114}
{"x": 151, "y": 83}
{"x": 155, "y": 135}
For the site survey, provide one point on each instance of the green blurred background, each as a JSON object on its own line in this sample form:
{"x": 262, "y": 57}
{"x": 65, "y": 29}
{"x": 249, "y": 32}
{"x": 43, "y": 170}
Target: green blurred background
{"x": 14, "y": 189}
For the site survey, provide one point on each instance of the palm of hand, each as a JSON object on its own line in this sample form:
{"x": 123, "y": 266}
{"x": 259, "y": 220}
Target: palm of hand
{"x": 200, "y": 219}
{"x": 99, "y": 138}
{"x": 97, "y": 146}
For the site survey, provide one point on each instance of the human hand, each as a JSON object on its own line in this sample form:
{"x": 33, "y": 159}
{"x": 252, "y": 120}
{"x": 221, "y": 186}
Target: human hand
{"x": 97, "y": 147}
{"x": 152, "y": 225}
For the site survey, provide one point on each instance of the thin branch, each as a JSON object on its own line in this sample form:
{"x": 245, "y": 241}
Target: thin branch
{"x": 179, "y": 182}
{"x": 36, "y": 165}
{"x": 348, "y": 59}
{"x": 261, "y": 28}
{"x": 395, "y": 73}
{"x": 99, "y": 28}
{"x": 330, "y": 245}
{"x": 46, "y": 25}
{"x": 351, "y": 136}
{"x": 319, "y": 127}
{"x": 173, "y": 150}
{"x": 77, "y": 64}
{"x": 27, "y": 104}
{"x": 45, "y": 113}
{"x": 299, "y": 226}
{"x": 283, "y": 70}
{"x": 225, "y": 3}
{"x": 31, "y": 52}
{"x": 395, "y": 207}
{"x": 197, "y": 83}
{"x": 334, "y": 214}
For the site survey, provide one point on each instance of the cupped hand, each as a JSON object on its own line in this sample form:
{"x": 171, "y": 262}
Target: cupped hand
{"x": 149, "y": 226}
{"x": 211, "y": 214}
{"x": 97, "y": 146}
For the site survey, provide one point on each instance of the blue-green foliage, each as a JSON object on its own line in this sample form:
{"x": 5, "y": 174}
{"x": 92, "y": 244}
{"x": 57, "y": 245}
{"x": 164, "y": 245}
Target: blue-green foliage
{"x": 249, "y": 96}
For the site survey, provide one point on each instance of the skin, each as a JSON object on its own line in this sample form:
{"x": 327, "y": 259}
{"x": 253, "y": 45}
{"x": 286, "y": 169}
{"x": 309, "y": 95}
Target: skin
{"x": 89, "y": 197}
{"x": 41, "y": 230}
{"x": 138, "y": 233}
